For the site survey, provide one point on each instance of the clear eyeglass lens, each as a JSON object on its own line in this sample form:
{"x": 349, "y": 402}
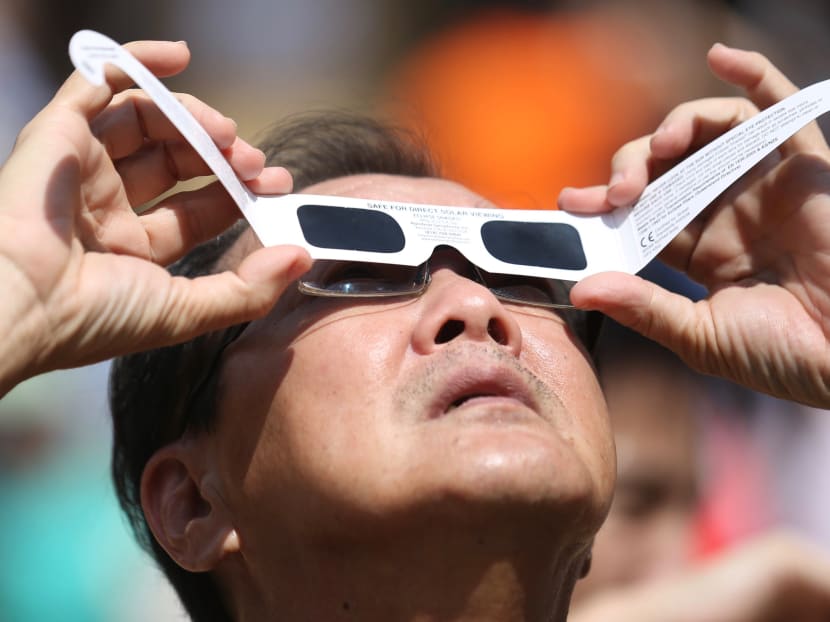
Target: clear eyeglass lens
{"x": 529, "y": 290}
{"x": 357, "y": 279}
{"x": 375, "y": 280}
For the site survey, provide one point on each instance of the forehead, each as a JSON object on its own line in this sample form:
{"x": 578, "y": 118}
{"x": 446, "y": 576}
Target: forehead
{"x": 399, "y": 188}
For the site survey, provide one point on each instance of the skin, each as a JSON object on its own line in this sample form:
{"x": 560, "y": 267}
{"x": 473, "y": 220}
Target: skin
{"x": 761, "y": 249}
{"x": 83, "y": 273}
{"x": 644, "y": 568}
{"x": 83, "y": 282}
{"x": 349, "y": 488}
{"x": 650, "y": 529}
{"x": 773, "y": 578}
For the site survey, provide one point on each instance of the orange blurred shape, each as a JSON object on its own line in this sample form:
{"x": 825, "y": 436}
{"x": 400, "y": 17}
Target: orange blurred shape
{"x": 517, "y": 106}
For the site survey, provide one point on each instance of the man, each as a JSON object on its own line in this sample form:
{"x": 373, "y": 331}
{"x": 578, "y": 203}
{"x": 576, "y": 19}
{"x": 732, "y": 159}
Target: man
{"x": 657, "y": 408}
{"x": 427, "y": 436}
{"x": 653, "y": 553}
{"x": 439, "y": 456}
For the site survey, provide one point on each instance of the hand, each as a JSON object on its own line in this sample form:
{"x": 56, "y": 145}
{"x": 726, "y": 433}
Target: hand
{"x": 81, "y": 271}
{"x": 774, "y": 578}
{"x": 762, "y": 250}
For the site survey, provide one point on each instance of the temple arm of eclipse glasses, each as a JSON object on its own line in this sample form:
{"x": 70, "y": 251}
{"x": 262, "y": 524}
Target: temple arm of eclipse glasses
{"x": 548, "y": 244}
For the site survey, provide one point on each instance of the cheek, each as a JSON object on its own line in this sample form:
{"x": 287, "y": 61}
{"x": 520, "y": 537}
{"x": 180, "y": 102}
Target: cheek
{"x": 566, "y": 368}
{"x": 341, "y": 365}
{"x": 320, "y": 433}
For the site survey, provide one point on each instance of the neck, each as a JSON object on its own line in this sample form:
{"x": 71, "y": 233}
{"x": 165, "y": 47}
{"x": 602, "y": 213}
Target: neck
{"x": 452, "y": 574}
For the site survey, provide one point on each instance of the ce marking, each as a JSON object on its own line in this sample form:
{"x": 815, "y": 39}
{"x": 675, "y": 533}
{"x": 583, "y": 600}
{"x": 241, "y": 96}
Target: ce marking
{"x": 647, "y": 239}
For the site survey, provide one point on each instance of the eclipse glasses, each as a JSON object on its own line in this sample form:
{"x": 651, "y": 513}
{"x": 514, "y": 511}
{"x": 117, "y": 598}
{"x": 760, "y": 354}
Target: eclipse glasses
{"x": 546, "y": 244}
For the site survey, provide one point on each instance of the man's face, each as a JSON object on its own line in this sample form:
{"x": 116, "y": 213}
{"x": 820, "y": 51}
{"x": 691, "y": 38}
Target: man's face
{"x": 347, "y": 419}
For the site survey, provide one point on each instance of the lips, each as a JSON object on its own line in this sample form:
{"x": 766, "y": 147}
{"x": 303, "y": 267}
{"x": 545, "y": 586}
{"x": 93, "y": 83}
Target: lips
{"x": 466, "y": 398}
{"x": 482, "y": 386}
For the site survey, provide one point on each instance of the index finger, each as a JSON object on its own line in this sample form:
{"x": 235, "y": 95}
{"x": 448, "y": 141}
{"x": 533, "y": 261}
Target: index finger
{"x": 764, "y": 84}
{"x": 133, "y": 118}
{"x": 162, "y": 58}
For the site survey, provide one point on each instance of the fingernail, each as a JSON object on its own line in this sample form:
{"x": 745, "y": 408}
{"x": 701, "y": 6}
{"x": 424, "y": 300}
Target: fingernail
{"x": 184, "y": 43}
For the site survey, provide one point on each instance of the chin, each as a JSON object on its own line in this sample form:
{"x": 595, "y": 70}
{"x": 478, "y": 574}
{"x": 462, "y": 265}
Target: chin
{"x": 514, "y": 472}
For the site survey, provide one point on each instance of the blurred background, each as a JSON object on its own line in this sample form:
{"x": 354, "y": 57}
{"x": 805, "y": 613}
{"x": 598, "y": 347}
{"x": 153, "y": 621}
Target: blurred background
{"x": 517, "y": 100}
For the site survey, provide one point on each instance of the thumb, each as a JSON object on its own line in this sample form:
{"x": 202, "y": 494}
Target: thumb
{"x": 670, "y": 319}
{"x": 212, "y": 302}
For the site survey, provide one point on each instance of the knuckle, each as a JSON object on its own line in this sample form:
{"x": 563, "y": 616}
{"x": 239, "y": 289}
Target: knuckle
{"x": 759, "y": 58}
{"x": 188, "y": 101}
{"x": 746, "y": 109}
{"x": 629, "y": 150}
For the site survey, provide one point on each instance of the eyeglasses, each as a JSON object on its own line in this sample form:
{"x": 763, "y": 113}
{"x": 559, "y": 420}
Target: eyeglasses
{"x": 346, "y": 279}
{"x": 527, "y": 243}
{"x": 547, "y": 244}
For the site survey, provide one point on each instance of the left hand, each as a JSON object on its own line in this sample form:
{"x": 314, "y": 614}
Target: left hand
{"x": 762, "y": 249}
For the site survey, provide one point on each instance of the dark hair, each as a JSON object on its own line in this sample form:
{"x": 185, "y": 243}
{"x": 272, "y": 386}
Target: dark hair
{"x": 159, "y": 395}
{"x": 156, "y": 396}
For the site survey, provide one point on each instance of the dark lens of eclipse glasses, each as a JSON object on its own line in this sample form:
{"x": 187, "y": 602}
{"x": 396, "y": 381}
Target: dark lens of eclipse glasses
{"x": 542, "y": 244}
{"x": 545, "y": 245}
{"x": 329, "y": 226}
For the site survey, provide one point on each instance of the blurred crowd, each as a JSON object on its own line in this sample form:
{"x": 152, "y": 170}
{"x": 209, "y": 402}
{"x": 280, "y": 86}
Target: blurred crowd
{"x": 517, "y": 100}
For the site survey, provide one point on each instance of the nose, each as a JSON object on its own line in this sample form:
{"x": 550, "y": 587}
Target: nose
{"x": 456, "y": 307}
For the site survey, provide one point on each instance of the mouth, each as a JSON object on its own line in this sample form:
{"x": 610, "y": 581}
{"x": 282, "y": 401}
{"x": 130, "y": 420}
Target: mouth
{"x": 482, "y": 390}
{"x": 467, "y": 398}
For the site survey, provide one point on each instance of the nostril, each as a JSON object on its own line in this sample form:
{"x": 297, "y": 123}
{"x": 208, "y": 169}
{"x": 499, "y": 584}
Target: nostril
{"x": 497, "y": 332}
{"x": 449, "y": 331}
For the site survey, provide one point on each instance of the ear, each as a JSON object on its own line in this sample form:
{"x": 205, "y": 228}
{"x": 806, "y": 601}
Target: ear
{"x": 187, "y": 516}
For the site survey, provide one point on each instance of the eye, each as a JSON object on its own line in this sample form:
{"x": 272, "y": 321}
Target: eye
{"x": 640, "y": 496}
{"x": 348, "y": 272}
{"x": 529, "y": 290}
{"x": 349, "y": 278}
{"x": 640, "y": 499}
{"x": 532, "y": 291}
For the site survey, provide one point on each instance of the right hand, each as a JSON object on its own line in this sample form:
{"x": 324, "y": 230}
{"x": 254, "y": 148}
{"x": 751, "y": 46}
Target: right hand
{"x": 82, "y": 273}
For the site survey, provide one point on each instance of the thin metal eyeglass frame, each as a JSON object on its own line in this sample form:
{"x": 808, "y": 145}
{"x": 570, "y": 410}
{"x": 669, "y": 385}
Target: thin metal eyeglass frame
{"x": 423, "y": 279}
